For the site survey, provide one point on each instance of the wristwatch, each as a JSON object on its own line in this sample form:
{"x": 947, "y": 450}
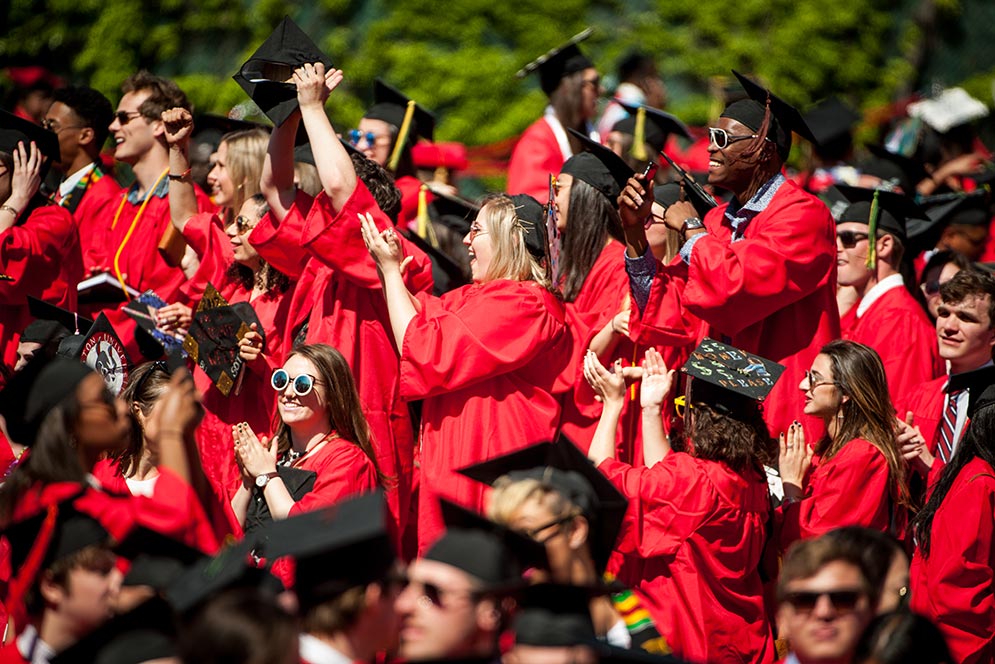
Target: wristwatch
{"x": 263, "y": 480}
{"x": 690, "y": 224}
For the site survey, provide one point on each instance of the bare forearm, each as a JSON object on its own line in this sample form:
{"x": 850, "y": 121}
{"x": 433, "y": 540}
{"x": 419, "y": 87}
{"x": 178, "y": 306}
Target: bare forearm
{"x": 605, "y": 341}
{"x": 656, "y": 443}
{"x": 278, "y": 499}
{"x": 277, "y": 180}
{"x": 401, "y": 306}
{"x": 240, "y": 503}
{"x": 335, "y": 169}
{"x": 603, "y": 443}
{"x": 182, "y": 197}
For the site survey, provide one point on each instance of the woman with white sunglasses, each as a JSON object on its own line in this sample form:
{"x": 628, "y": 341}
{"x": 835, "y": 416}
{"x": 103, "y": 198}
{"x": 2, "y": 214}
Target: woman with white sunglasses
{"x": 320, "y": 452}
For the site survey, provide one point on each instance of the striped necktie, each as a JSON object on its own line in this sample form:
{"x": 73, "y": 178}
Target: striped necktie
{"x": 945, "y": 445}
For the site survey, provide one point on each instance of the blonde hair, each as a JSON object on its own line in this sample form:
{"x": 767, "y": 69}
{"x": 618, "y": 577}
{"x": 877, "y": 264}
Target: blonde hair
{"x": 511, "y": 258}
{"x": 246, "y": 152}
{"x": 510, "y": 495}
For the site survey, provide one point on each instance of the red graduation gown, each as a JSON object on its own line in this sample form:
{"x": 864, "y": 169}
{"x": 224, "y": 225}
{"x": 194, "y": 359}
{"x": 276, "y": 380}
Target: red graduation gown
{"x": 255, "y": 402}
{"x": 850, "y": 489}
{"x": 409, "y": 187}
{"x": 343, "y": 471}
{"x": 487, "y": 359}
{"x": 772, "y": 293}
{"x": 898, "y": 329}
{"x": 701, "y": 548}
{"x": 955, "y": 585}
{"x": 339, "y": 296}
{"x": 9, "y": 654}
{"x": 93, "y": 215}
{"x": 42, "y": 255}
{"x": 536, "y": 155}
{"x": 925, "y": 401}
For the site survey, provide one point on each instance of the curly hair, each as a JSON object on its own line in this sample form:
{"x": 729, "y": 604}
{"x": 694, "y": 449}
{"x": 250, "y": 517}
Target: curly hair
{"x": 738, "y": 437}
{"x": 92, "y": 108}
{"x": 164, "y": 94}
{"x": 380, "y": 183}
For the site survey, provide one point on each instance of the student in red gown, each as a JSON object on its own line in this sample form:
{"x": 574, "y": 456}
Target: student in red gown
{"x": 697, "y": 518}
{"x": 761, "y": 270}
{"x": 855, "y": 474}
{"x": 337, "y": 299}
{"x": 486, "y": 358}
{"x": 952, "y": 579}
{"x": 886, "y": 317}
{"x": 228, "y": 261}
{"x": 572, "y": 84}
{"x": 39, "y": 242}
{"x": 322, "y": 431}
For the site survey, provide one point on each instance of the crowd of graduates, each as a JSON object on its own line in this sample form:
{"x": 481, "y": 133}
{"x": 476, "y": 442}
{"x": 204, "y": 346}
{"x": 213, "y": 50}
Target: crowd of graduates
{"x": 275, "y": 392}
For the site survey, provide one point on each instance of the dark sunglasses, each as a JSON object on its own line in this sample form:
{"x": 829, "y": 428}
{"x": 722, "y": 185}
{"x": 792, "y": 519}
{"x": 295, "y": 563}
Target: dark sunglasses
{"x": 931, "y": 287}
{"x": 533, "y": 533}
{"x": 842, "y": 600}
{"x": 849, "y": 239}
{"x": 302, "y": 385}
{"x": 436, "y": 595}
{"x": 243, "y": 224}
{"x": 124, "y": 117}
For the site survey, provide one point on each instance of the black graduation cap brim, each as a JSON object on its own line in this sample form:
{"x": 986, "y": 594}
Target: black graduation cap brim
{"x": 493, "y": 554}
{"x": 744, "y": 374}
{"x": 609, "y": 174}
{"x": 787, "y": 115}
{"x": 224, "y": 125}
{"x": 559, "y": 62}
{"x": 156, "y": 559}
{"x": 33, "y": 391}
{"x": 894, "y": 209}
{"x": 146, "y": 633}
{"x": 911, "y": 170}
{"x": 264, "y": 74}
{"x": 391, "y": 105}
{"x": 667, "y": 123}
{"x": 669, "y": 193}
{"x": 70, "y": 320}
{"x": 73, "y": 532}
{"x": 605, "y": 512}
{"x": 14, "y": 130}
{"x": 455, "y": 212}
{"x": 229, "y": 569}
{"x": 967, "y": 209}
{"x": 554, "y": 615}
{"x": 445, "y": 272}
{"x": 831, "y": 119}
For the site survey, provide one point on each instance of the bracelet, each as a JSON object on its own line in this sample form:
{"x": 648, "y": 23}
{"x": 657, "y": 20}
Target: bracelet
{"x": 182, "y": 176}
{"x": 11, "y": 209}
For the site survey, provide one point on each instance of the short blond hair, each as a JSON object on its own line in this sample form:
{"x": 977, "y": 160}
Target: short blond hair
{"x": 511, "y": 259}
{"x": 510, "y": 495}
{"x": 246, "y": 152}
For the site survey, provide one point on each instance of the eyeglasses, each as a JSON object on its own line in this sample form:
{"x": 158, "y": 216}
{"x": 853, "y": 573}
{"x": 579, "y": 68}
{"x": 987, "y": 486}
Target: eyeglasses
{"x": 654, "y": 219}
{"x": 931, "y": 287}
{"x": 681, "y": 405}
{"x": 302, "y": 384}
{"x": 533, "y": 533}
{"x": 54, "y": 127}
{"x": 849, "y": 239}
{"x": 243, "y": 224}
{"x": 475, "y": 231}
{"x": 842, "y": 600}
{"x": 356, "y": 137}
{"x": 594, "y": 82}
{"x": 816, "y": 380}
{"x": 723, "y": 139}
{"x": 432, "y": 595}
{"x": 124, "y": 117}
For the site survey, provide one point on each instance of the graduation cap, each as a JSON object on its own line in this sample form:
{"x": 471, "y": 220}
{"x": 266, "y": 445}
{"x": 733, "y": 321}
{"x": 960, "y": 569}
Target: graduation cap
{"x": 222, "y": 124}
{"x": 69, "y": 320}
{"x": 491, "y": 553}
{"x": 553, "y": 615}
{"x": 533, "y": 215}
{"x": 156, "y": 559}
{"x": 735, "y": 372}
{"x": 784, "y": 118}
{"x": 446, "y": 273}
{"x": 599, "y": 167}
{"x": 895, "y": 170}
{"x": 335, "y": 549}
{"x": 831, "y": 120}
{"x": 454, "y": 212}
{"x": 146, "y": 633}
{"x": 669, "y": 193}
{"x": 564, "y": 468}
{"x": 657, "y": 126}
{"x": 266, "y": 73}
{"x": 951, "y": 108}
{"x": 103, "y": 351}
{"x": 14, "y": 130}
{"x": 212, "y": 340}
{"x": 34, "y": 390}
{"x": 559, "y": 63}
{"x": 879, "y": 209}
{"x": 412, "y": 121}
{"x": 232, "y": 567}
{"x": 970, "y": 209}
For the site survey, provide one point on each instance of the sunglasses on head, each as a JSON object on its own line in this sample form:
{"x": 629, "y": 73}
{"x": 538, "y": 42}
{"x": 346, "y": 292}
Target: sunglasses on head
{"x": 849, "y": 239}
{"x": 931, "y": 287}
{"x": 124, "y": 117}
{"x": 842, "y": 600}
{"x": 302, "y": 384}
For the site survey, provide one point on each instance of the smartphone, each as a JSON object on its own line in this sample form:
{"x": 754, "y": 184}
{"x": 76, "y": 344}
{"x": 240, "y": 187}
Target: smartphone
{"x": 650, "y": 171}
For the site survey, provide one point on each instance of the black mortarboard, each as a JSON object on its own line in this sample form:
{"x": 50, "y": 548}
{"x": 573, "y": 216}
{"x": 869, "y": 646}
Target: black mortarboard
{"x": 659, "y": 125}
{"x": 232, "y": 567}
{"x": 156, "y": 559}
{"x": 668, "y": 194}
{"x": 143, "y": 634}
{"x": 533, "y": 215}
{"x": 491, "y": 553}
{"x": 893, "y": 169}
{"x": 212, "y": 340}
{"x": 454, "y": 212}
{"x": 831, "y": 119}
{"x": 391, "y": 105}
{"x": 103, "y": 351}
{"x": 335, "y": 549}
{"x": 964, "y": 209}
{"x": 563, "y": 467}
{"x": 43, "y": 332}
{"x": 265, "y": 74}
{"x": 559, "y": 63}
{"x": 447, "y": 275}
{"x": 14, "y": 130}
{"x": 599, "y": 167}
{"x": 732, "y": 370}
{"x": 33, "y": 391}
{"x": 73, "y": 531}
{"x": 785, "y": 118}
{"x": 554, "y": 615}
{"x": 893, "y": 209}
{"x": 70, "y": 320}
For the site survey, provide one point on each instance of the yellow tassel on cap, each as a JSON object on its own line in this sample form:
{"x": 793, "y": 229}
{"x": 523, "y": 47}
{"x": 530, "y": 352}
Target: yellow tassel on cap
{"x": 639, "y": 136}
{"x": 402, "y": 136}
{"x": 872, "y": 233}
{"x": 424, "y": 227}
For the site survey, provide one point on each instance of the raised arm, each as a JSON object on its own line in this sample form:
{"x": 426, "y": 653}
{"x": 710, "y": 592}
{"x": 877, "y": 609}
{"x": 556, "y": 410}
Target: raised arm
{"x": 24, "y": 184}
{"x": 277, "y": 181}
{"x": 335, "y": 169}
{"x": 386, "y": 251}
{"x": 178, "y": 123}
{"x": 610, "y": 388}
{"x": 657, "y": 382}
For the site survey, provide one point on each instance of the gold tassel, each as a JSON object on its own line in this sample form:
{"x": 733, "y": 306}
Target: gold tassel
{"x": 639, "y": 136}
{"x": 402, "y": 136}
{"x": 872, "y": 233}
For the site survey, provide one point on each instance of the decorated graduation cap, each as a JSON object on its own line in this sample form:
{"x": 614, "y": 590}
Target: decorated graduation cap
{"x": 146, "y": 633}
{"x": 533, "y": 215}
{"x": 103, "y": 351}
{"x": 14, "y": 130}
{"x": 669, "y": 193}
{"x": 35, "y": 390}
{"x": 727, "y": 377}
{"x": 560, "y": 62}
{"x": 951, "y": 108}
{"x": 599, "y": 167}
{"x": 831, "y": 120}
{"x": 156, "y": 559}
{"x": 412, "y": 121}
{"x": 491, "y": 553}
{"x": 649, "y": 125}
{"x": 564, "y": 468}
{"x": 266, "y": 75}
{"x": 212, "y": 340}
{"x": 764, "y": 108}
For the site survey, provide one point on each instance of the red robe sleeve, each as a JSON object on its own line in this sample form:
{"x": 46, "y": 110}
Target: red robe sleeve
{"x": 734, "y": 285}
{"x": 473, "y": 333}
{"x": 205, "y": 235}
{"x": 666, "y": 321}
{"x": 343, "y": 471}
{"x": 32, "y": 252}
{"x": 536, "y": 155}
{"x": 279, "y": 244}
{"x": 850, "y": 489}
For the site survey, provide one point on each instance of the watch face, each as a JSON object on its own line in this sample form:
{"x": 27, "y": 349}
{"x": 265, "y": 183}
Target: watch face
{"x": 262, "y": 480}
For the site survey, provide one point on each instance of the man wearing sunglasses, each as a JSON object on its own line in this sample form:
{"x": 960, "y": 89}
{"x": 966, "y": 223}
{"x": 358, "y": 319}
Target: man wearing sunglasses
{"x": 824, "y": 602}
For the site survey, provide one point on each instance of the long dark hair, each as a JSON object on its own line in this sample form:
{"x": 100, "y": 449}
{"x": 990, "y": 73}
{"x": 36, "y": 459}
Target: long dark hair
{"x": 344, "y": 409}
{"x": 591, "y": 219}
{"x": 146, "y": 385}
{"x": 976, "y": 443}
{"x": 868, "y": 413}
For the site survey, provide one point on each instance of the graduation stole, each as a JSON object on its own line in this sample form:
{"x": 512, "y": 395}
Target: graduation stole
{"x": 131, "y": 229}
{"x": 72, "y": 200}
